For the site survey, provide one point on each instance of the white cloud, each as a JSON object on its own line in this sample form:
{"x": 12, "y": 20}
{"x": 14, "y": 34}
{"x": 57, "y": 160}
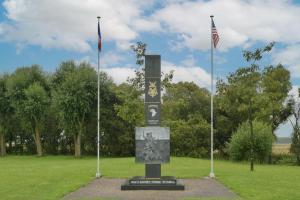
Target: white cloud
{"x": 189, "y": 73}
{"x": 289, "y": 57}
{"x": 110, "y": 59}
{"x": 238, "y": 22}
{"x": 190, "y": 61}
{"x": 72, "y": 25}
{"x": 119, "y": 74}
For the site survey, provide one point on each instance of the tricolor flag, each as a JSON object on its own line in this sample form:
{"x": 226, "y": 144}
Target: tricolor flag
{"x": 99, "y": 38}
{"x": 215, "y": 36}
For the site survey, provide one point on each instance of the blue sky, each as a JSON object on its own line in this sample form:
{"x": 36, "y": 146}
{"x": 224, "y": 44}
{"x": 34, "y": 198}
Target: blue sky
{"x": 51, "y": 31}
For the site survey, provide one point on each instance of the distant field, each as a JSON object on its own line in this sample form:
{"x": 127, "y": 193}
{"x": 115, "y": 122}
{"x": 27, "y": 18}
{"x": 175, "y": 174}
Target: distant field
{"x": 284, "y": 140}
{"x": 51, "y": 177}
{"x": 280, "y": 149}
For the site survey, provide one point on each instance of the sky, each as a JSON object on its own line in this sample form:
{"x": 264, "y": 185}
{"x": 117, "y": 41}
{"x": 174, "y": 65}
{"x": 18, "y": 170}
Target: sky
{"x": 47, "y": 32}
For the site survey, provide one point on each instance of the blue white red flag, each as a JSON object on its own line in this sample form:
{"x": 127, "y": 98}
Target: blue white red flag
{"x": 99, "y": 38}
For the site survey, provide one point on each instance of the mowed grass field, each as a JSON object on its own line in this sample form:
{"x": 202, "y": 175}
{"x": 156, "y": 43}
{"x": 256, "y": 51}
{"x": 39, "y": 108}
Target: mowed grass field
{"x": 51, "y": 177}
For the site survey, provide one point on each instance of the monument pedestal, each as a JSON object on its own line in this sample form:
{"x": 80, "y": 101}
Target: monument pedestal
{"x": 143, "y": 183}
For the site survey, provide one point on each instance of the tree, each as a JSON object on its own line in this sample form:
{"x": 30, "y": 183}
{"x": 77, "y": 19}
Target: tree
{"x": 30, "y": 95}
{"x": 131, "y": 108}
{"x": 185, "y": 110}
{"x": 76, "y": 99}
{"x": 183, "y": 99}
{"x": 240, "y": 93}
{"x": 242, "y": 98}
{"x": 294, "y": 103}
{"x": 275, "y": 85}
{"x": 34, "y": 108}
{"x": 139, "y": 80}
{"x": 6, "y": 112}
{"x": 117, "y": 124}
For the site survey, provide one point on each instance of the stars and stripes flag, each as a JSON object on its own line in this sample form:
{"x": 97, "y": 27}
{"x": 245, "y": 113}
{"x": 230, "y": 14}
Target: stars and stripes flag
{"x": 99, "y": 38}
{"x": 215, "y": 35}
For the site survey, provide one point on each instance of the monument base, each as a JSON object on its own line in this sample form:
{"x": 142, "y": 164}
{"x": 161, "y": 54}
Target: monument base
{"x": 143, "y": 183}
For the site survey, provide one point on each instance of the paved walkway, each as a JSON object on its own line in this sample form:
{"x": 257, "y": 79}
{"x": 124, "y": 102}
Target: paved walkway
{"x": 110, "y": 189}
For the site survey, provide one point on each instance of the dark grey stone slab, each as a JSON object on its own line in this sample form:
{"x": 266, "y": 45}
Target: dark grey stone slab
{"x": 152, "y": 110}
{"x": 152, "y": 66}
{"x": 153, "y": 170}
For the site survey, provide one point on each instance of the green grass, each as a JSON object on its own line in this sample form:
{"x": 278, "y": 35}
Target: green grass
{"x": 51, "y": 177}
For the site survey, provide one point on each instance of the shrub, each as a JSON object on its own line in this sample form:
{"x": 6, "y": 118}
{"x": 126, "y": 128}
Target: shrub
{"x": 283, "y": 159}
{"x": 240, "y": 143}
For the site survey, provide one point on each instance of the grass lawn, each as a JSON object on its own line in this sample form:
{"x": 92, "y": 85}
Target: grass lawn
{"x": 51, "y": 177}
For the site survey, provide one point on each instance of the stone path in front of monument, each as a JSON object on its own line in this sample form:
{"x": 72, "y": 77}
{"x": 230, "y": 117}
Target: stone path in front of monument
{"x": 106, "y": 188}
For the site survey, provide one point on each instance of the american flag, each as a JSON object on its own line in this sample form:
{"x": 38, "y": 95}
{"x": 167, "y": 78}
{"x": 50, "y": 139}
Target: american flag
{"x": 99, "y": 38}
{"x": 214, "y": 32}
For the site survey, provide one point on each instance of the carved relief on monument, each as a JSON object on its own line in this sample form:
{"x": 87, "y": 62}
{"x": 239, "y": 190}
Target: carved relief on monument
{"x": 152, "y": 144}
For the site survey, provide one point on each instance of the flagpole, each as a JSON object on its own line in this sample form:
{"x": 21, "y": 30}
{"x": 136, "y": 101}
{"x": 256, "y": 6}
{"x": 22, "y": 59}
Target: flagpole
{"x": 212, "y": 174}
{"x": 98, "y": 174}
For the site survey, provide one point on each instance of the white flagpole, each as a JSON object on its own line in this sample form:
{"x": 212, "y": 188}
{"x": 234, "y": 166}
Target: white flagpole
{"x": 98, "y": 174}
{"x": 212, "y": 174}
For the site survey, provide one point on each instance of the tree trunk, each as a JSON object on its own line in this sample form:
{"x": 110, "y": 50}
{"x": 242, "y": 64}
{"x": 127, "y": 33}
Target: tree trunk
{"x": 2, "y": 145}
{"x": 273, "y": 133}
{"x": 38, "y": 143}
{"x": 77, "y": 142}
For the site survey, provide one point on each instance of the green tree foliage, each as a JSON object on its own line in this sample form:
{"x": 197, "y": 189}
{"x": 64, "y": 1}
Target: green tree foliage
{"x": 76, "y": 98}
{"x": 63, "y": 108}
{"x": 294, "y": 103}
{"x": 140, "y": 51}
{"x": 139, "y": 80}
{"x": 30, "y": 93}
{"x": 117, "y": 129}
{"x": 275, "y": 86}
{"x": 191, "y": 137}
{"x": 239, "y": 96}
{"x": 240, "y": 144}
{"x": 131, "y": 108}
{"x": 34, "y": 108}
{"x": 6, "y": 112}
{"x": 185, "y": 110}
{"x": 183, "y": 99}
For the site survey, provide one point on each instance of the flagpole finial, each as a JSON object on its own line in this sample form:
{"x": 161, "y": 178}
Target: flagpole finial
{"x": 98, "y": 17}
{"x": 211, "y": 16}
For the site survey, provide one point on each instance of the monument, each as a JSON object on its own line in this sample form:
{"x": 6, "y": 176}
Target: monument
{"x": 152, "y": 143}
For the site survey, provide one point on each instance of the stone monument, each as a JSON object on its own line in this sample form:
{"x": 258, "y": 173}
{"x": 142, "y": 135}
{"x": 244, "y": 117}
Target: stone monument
{"x": 152, "y": 143}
